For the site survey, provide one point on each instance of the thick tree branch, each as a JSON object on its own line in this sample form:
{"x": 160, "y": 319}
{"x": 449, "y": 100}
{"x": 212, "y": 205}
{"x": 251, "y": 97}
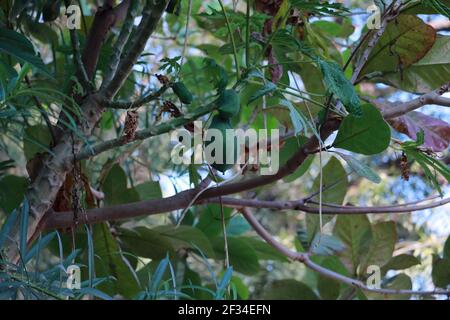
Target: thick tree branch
{"x": 392, "y": 110}
{"x": 120, "y": 43}
{"x": 152, "y": 14}
{"x": 105, "y": 18}
{"x": 183, "y": 199}
{"x": 305, "y": 258}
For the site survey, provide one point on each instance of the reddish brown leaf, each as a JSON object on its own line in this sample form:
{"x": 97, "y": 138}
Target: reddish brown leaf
{"x": 437, "y": 132}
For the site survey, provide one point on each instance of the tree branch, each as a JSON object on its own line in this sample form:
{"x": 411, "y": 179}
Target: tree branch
{"x": 105, "y": 18}
{"x": 120, "y": 43}
{"x": 391, "y": 110}
{"x": 305, "y": 258}
{"x": 152, "y": 13}
{"x": 183, "y": 199}
{"x": 140, "y": 102}
{"x": 90, "y": 151}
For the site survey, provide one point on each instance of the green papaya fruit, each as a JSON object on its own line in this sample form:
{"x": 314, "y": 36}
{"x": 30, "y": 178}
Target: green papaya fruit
{"x": 222, "y": 125}
{"x": 229, "y": 104}
{"x": 182, "y": 92}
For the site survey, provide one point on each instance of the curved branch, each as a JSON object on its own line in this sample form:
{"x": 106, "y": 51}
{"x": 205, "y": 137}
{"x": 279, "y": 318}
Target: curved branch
{"x": 306, "y": 260}
{"x": 58, "y": 220}
{"x": 390, "y": 110}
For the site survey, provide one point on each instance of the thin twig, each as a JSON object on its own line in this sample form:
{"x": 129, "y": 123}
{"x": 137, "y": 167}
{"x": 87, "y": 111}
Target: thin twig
{"x": 306, "y": 260}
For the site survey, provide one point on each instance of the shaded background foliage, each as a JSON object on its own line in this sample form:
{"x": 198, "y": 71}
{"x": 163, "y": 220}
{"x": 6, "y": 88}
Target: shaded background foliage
{"x": 287, "y": 87}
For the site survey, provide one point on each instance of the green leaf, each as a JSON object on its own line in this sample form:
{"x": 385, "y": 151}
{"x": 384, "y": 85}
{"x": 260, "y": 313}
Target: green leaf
{"x": 341, "y": 29}
{"x": 110, "y": 262}
{"x": 299, "y": 122}
{"x": 12, "y": 191}
{"x": 237, "y": 226}
{"x": 288, "y": 289}
{"x": 36, "y": 140}
{"x": 266, "y": 89}
{"x": 356, "y": 233}
{"x": 263, "y": 250}
{"x": 384, "y": 237}
{"x": 405, "y": 41}
{"x": 329, "y": 289}
{"x": 367, "y": 135}
{"x": 401, "y": 262}
{"x": 325, "y": 245}
{"x": 427, "y": 74}
{"x": 115, "y": 188}
{"x": 292, "y": 146}
{"x": 360, "y": 168}
{"x": 441, "y": 272}
{"x": 398, "y": 282}
{"x": 149, "y": 190}
{"x": 146, "y": 243}
{"x": 335, "y": 184}
{"x": 447, "y": 249}
{"x": 210, "y": 221}
{"x": 18, "y": 46}
{"x": 336, "y": 82}
{"x": 243, "y": 257}
{"x": 186, "y": 237}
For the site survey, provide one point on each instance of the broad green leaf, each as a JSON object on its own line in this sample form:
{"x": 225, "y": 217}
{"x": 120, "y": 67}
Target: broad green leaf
{"x": 144, "y": 242}
{"x": 18, "y": 46}
{"x": 12, "y": 191}
{"x": 427, "y": 7}
{"x": 426, "y": 75}
{"x": 336, "y": 82}
{"x": 210, "y": 221}
{"x": 266, "y": 89}
{"x": 360, "y": 168}
{"x": 335, "y": 184}
{"x": 441, "y": 272}
{"x": 288, "y": 289}
{"x": 447, "y": 249}
{"x": 36, "y": 140}
{"x": 367, "y": 135}
{"x": 401, "y": 262}
{"x": 341, "y": 29}
{"x": 384, "y": 237}
{"x": 325, "y": 245}
{"x": 237, "y": 226}
{"x": 291, "y": 146}
{"x": 109, "y": 261}
{"x": 356, "y": 233}
{"x": 399, "y": 282}
{"x": 330, "y": 289}
{"x": 115, "y": 188}
{"x": 240, "y": 287}
{"x": 263, "y": 250}
{"x": 185, "y": 237}
{"x": 406, "y": 40}
{"x": 149, "y": 190}
{"x": 243, "y": 257}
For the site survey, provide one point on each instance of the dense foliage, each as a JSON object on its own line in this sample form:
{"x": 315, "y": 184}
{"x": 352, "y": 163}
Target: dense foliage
{"x": 91, "y": 90}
